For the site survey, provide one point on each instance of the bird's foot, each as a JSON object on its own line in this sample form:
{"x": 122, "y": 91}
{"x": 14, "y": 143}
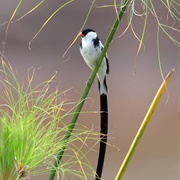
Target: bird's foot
{"x": 88, "y": 83}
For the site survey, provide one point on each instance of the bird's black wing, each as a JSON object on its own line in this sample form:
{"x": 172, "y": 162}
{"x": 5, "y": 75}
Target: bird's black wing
{"x": 107, "y": 64}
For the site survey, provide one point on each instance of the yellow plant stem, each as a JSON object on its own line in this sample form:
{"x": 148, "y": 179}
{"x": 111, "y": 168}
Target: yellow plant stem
{"x": 143, "y": 126}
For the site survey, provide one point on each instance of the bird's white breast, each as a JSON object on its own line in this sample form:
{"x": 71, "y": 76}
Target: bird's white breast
{"x": 90, "y": 53}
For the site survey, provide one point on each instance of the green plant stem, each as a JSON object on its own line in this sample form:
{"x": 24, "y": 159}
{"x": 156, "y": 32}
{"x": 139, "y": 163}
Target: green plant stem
{"x": 86, "y": 91}
{"x": 143, "y": 126}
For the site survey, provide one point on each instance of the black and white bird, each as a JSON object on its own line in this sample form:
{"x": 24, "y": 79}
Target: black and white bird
{"x": 90, "y": 49}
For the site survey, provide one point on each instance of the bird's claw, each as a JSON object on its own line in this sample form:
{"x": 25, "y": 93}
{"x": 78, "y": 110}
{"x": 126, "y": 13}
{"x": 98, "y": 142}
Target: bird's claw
{"x": 88, "y": 83}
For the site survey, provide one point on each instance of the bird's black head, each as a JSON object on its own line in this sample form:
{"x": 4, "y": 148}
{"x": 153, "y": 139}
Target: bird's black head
{"x": 86, "y": 31}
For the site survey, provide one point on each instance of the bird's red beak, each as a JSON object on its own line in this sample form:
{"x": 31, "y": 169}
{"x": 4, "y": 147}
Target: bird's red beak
{"x": 81, "y": 34}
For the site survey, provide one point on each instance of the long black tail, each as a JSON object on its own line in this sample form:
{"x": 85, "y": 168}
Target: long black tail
{"x": 103, "y": 136}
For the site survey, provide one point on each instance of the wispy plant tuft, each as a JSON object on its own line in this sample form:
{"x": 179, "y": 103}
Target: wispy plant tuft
{"x": 145, "y": 8}
{"x": 31, "y": 123}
